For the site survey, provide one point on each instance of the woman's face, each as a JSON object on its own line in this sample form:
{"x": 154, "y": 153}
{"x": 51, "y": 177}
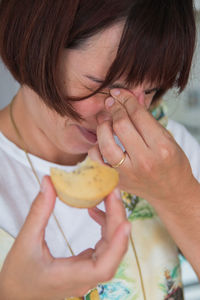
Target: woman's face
{"x": 80, "y": 72}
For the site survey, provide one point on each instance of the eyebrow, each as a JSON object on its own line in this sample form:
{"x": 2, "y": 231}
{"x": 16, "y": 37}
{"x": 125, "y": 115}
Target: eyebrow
{"x": 116, "y": 85}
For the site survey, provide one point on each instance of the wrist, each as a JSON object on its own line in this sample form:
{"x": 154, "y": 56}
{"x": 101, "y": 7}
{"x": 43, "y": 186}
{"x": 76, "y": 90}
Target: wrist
{"x": 180, "y": 200}
{"x": 181, "y": 216}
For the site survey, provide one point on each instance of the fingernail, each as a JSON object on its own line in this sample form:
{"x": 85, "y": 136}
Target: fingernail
{"x": 117, "y": 193}
{"x": 43, "y": 186}
{"x": 115, "y": 92}
{"x": 109, "y": 102}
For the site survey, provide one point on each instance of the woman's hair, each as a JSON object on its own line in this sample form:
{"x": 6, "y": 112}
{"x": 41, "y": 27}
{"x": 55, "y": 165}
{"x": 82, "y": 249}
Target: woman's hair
{"x": 156, "y": 46}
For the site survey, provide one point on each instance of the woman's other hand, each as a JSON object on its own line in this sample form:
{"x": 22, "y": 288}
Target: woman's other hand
{"x": 155, "y": 165}
{"x": 30, "y": 272}
{"x": 155, "y": 168}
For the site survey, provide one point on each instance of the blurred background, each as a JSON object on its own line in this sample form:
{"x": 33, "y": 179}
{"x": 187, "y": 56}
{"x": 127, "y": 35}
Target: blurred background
{"x": 184, "y": 108}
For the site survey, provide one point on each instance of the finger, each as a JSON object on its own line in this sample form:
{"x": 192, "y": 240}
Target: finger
{"x": 108, "y": 261}
{"x": 90, "y": 270}
{"x": 107, "y": 144}
{"x": 143, "y": 121}
{"x": 124, "y": 128}
{"x": 95, "y": 154}
{"x": 115, "y": 213}
{"x": 97, "y": 215}
{"x": 105, "y": 263}
{"x": 40, "y": 211}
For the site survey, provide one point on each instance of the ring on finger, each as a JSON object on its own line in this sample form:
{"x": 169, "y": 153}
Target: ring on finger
{"x": 120, "y": 162}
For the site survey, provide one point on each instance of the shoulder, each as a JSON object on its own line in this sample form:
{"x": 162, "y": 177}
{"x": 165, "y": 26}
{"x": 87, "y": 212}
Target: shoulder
{"x": 188, "y": 143}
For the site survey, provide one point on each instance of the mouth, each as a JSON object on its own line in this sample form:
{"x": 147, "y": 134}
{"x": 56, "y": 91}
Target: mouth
{"x": 89, "y": 135}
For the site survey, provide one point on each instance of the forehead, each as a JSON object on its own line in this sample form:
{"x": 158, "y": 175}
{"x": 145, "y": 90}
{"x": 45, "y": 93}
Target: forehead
{"x": 96, "y": 55}
{"x": 108, "y": 39}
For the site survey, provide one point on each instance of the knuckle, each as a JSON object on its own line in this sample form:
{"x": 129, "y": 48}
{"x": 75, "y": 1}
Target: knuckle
{"x": 166, "y": 151}
{"x": 124, "y": 96}
{"x": 136, "y": 115}
{"x": 146, "y": 164}
{"x": 121, "y": 124}
{"x": 109, "y": 275}
{"x": 117, "y": 109}
{"x": 105, "y": 274}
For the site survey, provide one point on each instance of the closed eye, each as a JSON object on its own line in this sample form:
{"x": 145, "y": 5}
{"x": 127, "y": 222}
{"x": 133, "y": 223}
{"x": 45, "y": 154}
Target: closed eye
{"x": 151, "y": 91}
{"x": 146, "y": 92}
{"x": 100, "y": 92}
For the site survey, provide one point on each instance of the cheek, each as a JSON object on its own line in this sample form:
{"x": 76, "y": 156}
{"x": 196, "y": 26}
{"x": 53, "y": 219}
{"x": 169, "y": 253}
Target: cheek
{"x": 50, "y": 121}
{"x": 89, "y": 107}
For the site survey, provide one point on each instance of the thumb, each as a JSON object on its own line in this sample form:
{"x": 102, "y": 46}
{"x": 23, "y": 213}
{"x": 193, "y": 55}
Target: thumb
{"x": 41, "y": 210}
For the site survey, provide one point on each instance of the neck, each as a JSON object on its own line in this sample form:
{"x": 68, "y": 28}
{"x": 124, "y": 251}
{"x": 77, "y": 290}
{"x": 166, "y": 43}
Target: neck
{"x": 32, "y": 138}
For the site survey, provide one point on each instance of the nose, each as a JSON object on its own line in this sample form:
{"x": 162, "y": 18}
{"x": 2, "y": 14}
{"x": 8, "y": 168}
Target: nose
{"x": 138, "y": 92}
{"x": 101, "y": 113}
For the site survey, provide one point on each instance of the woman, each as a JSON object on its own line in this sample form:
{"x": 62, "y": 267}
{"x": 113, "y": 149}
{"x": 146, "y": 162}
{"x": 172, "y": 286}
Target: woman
{"x": 74, "y": 59}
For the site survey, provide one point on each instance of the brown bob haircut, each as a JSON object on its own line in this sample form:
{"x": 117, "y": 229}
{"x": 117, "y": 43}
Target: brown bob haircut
{"x": 156, "y": 46}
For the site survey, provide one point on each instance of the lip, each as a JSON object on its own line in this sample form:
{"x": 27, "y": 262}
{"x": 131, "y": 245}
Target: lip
{"x": 90, "y": 135}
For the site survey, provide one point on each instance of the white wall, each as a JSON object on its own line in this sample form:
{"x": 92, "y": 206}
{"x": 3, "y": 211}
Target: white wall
{"x": 8, "y": 86}
{"x": 185, "y": 108}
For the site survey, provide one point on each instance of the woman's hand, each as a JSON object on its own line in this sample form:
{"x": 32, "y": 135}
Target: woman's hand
{"x": 30, "y": 272}
{"x": 155, "y": 165}
{"x": 155, "y": 168}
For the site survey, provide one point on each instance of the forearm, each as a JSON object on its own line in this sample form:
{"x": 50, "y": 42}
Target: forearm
{"x": 181, "y": 216}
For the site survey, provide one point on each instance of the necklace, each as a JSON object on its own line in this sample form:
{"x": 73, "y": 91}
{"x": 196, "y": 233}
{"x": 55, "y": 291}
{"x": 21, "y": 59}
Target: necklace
{"x": 33, "y": 169}
{"x": 24, "y": 148}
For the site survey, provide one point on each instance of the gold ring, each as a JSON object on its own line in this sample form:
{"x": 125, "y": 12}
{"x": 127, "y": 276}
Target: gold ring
{"x": 121, "y": 161}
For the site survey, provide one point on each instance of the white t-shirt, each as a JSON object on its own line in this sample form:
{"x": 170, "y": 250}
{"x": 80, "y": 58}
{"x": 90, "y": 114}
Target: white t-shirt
{"x": 18, "y": 188}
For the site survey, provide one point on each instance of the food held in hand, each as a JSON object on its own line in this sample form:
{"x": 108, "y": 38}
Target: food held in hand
{"x": 87, "y": 185}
